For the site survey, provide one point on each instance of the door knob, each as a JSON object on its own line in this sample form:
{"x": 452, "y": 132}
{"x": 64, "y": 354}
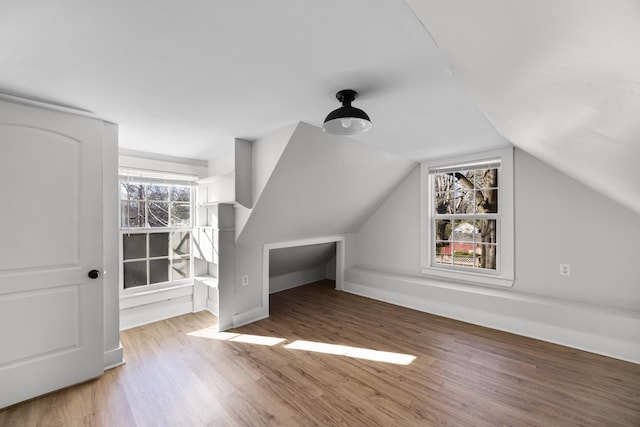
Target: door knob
{"x": 94, "y": 274}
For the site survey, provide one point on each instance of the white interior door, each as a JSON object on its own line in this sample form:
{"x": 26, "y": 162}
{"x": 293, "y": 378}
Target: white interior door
{"x": 51, "y": 312}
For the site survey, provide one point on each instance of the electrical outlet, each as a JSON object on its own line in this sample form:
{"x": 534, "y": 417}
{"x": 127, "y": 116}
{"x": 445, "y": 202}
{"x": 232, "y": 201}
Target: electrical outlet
{"x": 565, "y": 269}
{"x": 245, "y": 280}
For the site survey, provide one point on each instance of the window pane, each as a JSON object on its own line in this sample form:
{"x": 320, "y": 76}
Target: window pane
{"x": 131, "y": 191}
{"x": 489, "y": 178}
{"x": 490, "y": 201}
{"x": 158, "y": 214}
{"x": 442, "y": 229}
{"x": 486, "y": 181}
{"x": 444, "y": 182}
{"x": 443, "y": 253}
{"x": 158, "y": 245}
{"x": 135, "y": 274}
{"x": 158, "y": 271}
{"x": 157, "y": 192}
{"x": 464, "y": 231}
{"x": 463, "y": 254}
{"x": 124, "y": 195}
{"x": 465, "y": 202}
{"x": 487, "y": 256}
{"x": 132, "y": 214}
{"x": 180, "y": 214}
{"x": 443, "y": 248}
{"x": 181, "y": 269}
{"x": 180, "y": 194}
{"x": 134, "y": 246}
{"x": 181, "y": 243}
{"x": 487, "y": 231}
{"x": 445, "y": 202}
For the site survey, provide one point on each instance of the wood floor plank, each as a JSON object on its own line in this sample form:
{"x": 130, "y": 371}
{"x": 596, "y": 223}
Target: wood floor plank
{"x": 180, "y": 372}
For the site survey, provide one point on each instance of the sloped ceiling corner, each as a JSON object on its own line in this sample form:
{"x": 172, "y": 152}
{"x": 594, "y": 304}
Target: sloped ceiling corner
{"x": 322, "y": 185}
{"x": 558, "y": 78}
{"x": 265, "y": 154}
{"x": 288, "y": 260}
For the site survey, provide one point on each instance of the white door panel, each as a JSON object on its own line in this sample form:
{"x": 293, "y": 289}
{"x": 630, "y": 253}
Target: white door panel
{"x": 51, "y": 312}
{"x": 42, "y": 165}
{"x": 46, "y": 337}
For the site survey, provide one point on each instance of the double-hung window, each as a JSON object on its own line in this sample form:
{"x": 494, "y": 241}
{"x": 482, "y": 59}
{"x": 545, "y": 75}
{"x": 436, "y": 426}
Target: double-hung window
{"x": 467, "y": 218}
{"x": 156, "y": 226}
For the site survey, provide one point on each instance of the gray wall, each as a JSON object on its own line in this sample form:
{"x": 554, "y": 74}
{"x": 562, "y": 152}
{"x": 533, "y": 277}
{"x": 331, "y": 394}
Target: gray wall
{"x": 319, "y": 185}
{"x": 299, "y": 265}
{"x": 558, "y": 220}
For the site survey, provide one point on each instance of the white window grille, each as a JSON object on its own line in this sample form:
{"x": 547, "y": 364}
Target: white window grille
{"x": 467, "y": 218}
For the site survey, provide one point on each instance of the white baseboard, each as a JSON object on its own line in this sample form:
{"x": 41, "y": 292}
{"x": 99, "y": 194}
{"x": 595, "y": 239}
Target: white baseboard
{"x": 250, "y": 316}
{"x": 296, "y": 278}
{"x": 602, "y": 330}
{"x": 113, "y": 358}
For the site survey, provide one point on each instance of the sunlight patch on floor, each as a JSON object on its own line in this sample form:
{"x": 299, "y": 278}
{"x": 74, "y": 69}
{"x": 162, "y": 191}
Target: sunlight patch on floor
{"x": 211, "y": 333}
{"x": 257, "y": 339}
{"x": 358, "y": 353}
{"x": 316, "y": 347}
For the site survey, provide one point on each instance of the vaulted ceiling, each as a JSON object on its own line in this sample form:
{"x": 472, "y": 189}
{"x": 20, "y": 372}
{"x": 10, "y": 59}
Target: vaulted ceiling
{"x": 560, "y": 79}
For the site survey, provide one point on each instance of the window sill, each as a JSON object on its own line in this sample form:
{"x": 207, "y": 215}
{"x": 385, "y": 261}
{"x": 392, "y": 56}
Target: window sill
{"x": 152, "y": 292}
{"x": 468, "y": 278}
{"x": 150, "y": 296}
{"x": 151, "y": 289}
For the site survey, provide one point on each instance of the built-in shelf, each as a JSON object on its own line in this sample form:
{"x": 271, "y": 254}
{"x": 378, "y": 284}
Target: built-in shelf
{"x": 209, "y": 281}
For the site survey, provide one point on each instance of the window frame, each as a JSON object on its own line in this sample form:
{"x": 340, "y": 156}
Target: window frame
{"x": 147, "y": 230}
{"x": 504, "y": 275}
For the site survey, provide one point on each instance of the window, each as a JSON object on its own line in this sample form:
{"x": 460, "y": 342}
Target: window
{"x": 152, "y": 205}
{"x": 156, "y": 227}
{"x": 467, "y": 218}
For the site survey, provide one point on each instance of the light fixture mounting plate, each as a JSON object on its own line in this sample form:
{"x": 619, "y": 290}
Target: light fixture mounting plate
{"x": 346, "y": 96}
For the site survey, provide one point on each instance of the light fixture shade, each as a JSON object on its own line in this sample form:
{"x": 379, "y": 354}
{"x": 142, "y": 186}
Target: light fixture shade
{"x": 347, "y": 120}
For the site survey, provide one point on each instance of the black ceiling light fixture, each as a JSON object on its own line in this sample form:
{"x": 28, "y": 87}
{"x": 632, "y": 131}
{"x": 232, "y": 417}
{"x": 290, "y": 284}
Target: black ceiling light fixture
{"x": 347, "y": 120}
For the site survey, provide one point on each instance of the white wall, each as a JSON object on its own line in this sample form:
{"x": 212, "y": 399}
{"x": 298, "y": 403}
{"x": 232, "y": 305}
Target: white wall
{"x": 297, "y": 278}
{"x": 229, "y": 176}
{"x": 287, "y": 260}
{"x": 222, "y": 164}
{"x": 160, "y": 163}
{"x": 390, "y": 239}
{"x": 558, "y": 220}
{"x": 243, "y": 172}
{"x": 321, "y": 185}
{"x": 299, "y": 265}
{"x": 265, "y": 154}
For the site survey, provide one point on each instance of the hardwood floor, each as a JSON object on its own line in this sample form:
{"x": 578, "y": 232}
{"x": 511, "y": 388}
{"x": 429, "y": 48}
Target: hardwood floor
{"x": 324, "y": 358}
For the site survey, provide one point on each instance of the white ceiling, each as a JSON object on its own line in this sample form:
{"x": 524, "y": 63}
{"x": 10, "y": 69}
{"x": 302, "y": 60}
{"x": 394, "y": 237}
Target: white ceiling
{"x": 558, "y": 78}
{"x": 186, "y": 78}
